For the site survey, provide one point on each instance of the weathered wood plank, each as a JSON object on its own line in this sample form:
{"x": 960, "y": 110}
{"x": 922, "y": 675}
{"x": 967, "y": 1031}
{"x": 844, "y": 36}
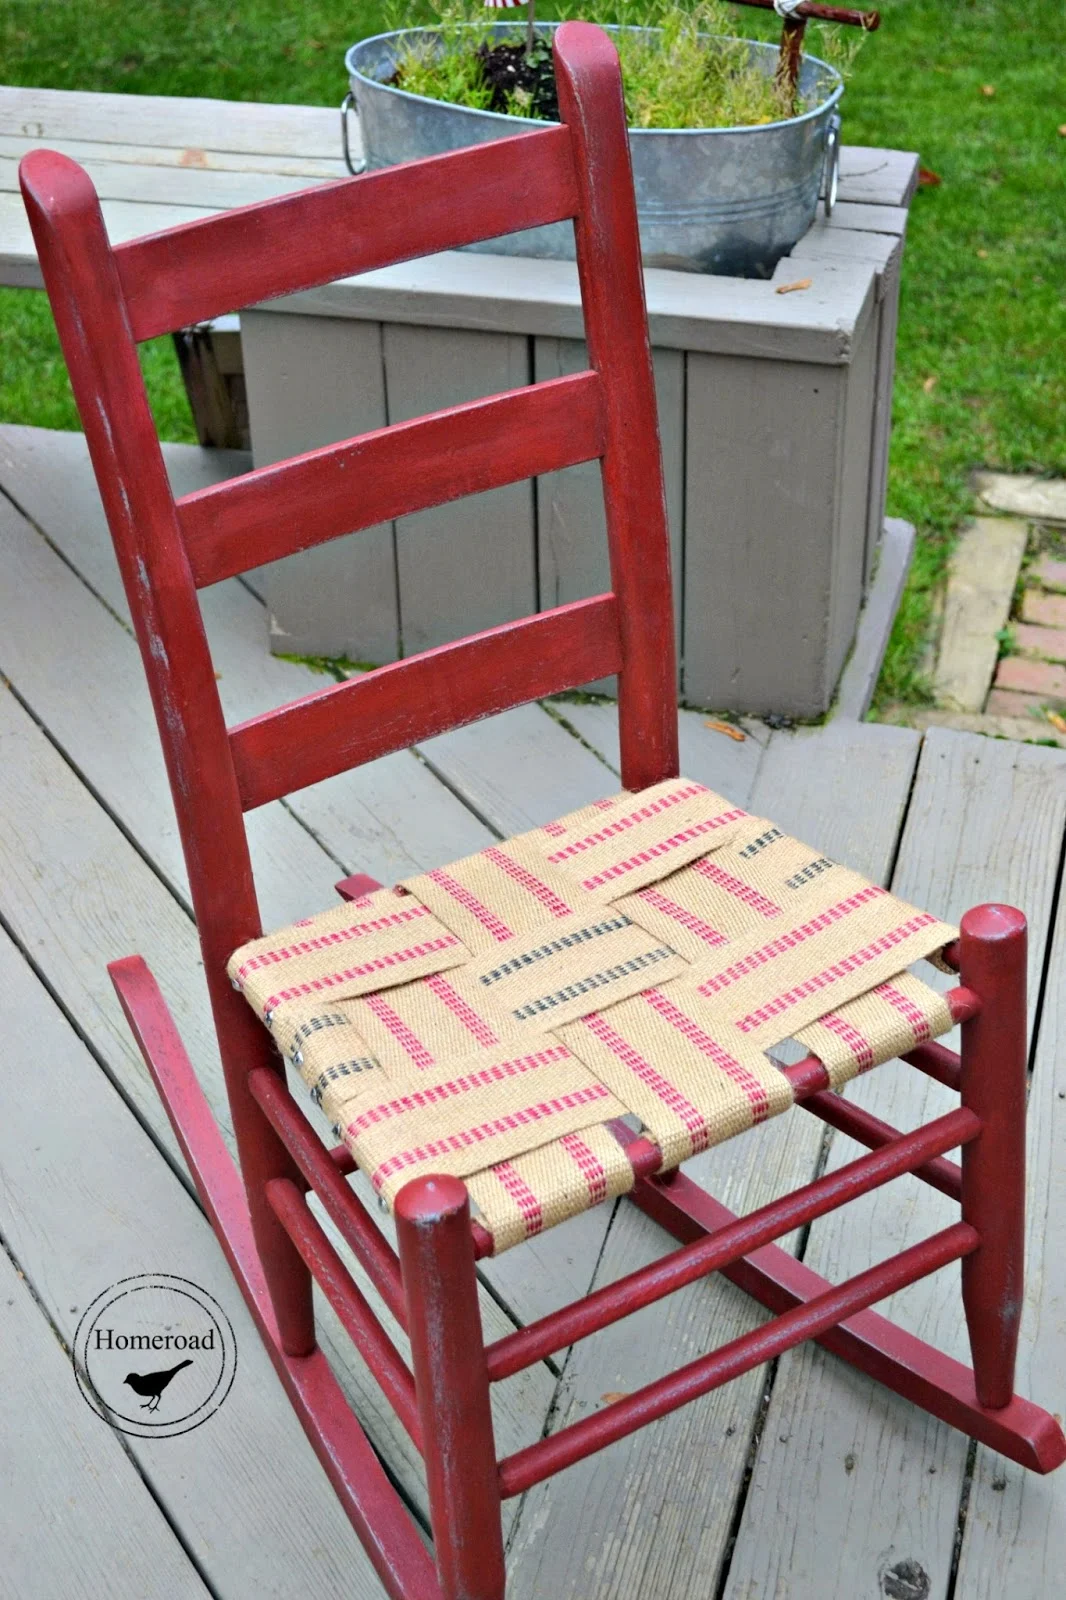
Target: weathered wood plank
{"x": 844, "y": 1466}
{"x": 154, "y": 184}
{"x": 1014, "y": 1541}
{"x": 572, "y": 557}
{"x": 85, "y": 1201}
{"x": 877, "y": 177}
{"x": 125, "y": 219}
{"x": 469, "y": 565}
{"x": 652, "y": 1515}
{"x": 169, "y": 120}
{"x": 390, "y": 818}
{"x": 726, "y": 765}
{"x": 87, "y": 151}
{"x": 686, "y": 311}
{"x": 748, "y": 579}
{"x": 312, "y": 384}
{"x": 75, "y": 1517}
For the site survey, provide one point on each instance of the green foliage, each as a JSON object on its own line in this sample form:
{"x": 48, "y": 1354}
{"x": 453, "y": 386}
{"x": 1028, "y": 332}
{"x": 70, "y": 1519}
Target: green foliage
{"x": 691, "y": 72}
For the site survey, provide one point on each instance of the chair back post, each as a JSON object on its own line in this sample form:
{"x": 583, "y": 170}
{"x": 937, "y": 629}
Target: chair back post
{"x": 612, "y": 291}
{"x": 83, "y": 286}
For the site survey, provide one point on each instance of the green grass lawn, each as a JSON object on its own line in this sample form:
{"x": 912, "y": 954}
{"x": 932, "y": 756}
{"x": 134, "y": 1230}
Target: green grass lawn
{"x": 981, "y": 375}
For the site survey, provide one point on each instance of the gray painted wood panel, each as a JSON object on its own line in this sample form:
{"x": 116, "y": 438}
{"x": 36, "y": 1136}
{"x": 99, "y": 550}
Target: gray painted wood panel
{"x": 75, "y": 1518}
{"x": 311, "y": 383}
{"x": 571, "y": 529}
{"x": 844, "y": 1466}
{"x": 852, "y": 534}
{"x": 513, "y": 294}
{"x": 886, "y": 252}
{"x": 651, "y": 1516}
{"x": 169, "y": 120}
{"x": 87, "y": 1201}
{"x": 756, "y": 595}
{"x": 472, "y": 564}
{"x": 880, "y": 177}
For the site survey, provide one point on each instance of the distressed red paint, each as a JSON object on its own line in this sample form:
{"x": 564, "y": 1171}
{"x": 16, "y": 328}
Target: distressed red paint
{"x": 103, "y": 300}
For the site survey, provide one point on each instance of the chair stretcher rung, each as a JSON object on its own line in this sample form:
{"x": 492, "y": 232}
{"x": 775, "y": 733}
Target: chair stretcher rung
{"x": 363, "y": 1328}
{"x": 549, "y": 1456}
{"x": 598, "y": 1310}
{"x": 326, "y": 1178}
{"x": 858, "y": 1124}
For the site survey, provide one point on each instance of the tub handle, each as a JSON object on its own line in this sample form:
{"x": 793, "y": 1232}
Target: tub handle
{"x": 831, "y": 162}
{"x": 354, "y": 167}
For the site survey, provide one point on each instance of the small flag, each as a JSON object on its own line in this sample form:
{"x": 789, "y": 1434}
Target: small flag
{"x": 504, "y": 5}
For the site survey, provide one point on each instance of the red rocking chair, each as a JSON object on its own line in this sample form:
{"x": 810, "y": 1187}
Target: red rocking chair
{"x": 563, "y": 1018}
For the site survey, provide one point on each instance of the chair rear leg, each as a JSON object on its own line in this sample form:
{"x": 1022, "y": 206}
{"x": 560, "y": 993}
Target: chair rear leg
{"x": 992, "y": 950}
{"x": 452, "y": 1383}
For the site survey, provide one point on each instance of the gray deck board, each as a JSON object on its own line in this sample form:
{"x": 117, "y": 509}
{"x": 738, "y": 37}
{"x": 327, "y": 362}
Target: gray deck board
{"x": 86, "y": 1201}
{"x": 66, "y": 1483}
{"x": 844, "y": 1466}
{"x": 88, "y": 828}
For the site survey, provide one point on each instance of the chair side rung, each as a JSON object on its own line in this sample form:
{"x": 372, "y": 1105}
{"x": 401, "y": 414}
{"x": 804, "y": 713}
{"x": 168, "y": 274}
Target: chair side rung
{"x": 344, "y": 1208}
{"x": 807, "y": 1321}
{"x": 848, "y": 1118}
{"x": 390, "y": 1371}
{"x": 726, "y": 1245}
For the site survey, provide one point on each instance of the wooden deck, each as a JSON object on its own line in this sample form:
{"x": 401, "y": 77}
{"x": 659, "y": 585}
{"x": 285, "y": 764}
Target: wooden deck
{"x": 799, "y": 1481}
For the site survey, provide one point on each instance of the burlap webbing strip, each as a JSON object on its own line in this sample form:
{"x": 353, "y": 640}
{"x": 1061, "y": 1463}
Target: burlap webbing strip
{"x": 638, "y": 956}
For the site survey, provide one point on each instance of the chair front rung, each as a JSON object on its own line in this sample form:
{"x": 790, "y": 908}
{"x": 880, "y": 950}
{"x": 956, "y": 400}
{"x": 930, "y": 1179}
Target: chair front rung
{"x": 807, "y": 1321}
{"x": 726, "y": 1245}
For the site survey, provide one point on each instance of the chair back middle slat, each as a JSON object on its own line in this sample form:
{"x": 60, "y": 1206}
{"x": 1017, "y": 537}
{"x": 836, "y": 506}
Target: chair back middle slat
{"x": 202, "y": 269}
{"x": 401, "y": 704}
{"x": 277, "y": 510}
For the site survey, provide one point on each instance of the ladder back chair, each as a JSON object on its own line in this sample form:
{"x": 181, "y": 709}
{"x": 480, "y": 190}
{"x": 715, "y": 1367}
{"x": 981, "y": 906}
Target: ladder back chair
{"x": 565, "y": 1017}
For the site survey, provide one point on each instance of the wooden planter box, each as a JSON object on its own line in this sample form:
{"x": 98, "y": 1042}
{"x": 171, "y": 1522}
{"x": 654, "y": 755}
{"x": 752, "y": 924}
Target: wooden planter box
{"x": 774, "y": 416}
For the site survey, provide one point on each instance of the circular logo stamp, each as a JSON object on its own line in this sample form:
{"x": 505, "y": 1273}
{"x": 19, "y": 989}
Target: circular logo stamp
{"x": 155, "y": 1355}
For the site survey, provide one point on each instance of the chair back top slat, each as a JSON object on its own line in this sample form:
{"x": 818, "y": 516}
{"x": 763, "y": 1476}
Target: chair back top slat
{"x": 202, "y": 269}
{"x": 392, "y": 472}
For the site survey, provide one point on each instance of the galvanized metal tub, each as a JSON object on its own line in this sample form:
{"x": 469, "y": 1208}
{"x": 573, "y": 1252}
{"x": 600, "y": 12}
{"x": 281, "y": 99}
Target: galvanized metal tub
{"x": 723, "y": 200}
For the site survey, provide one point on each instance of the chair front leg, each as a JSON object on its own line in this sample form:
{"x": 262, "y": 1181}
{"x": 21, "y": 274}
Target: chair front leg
{"x": 992, "y": 950}
{"x": 452, "y": 1384}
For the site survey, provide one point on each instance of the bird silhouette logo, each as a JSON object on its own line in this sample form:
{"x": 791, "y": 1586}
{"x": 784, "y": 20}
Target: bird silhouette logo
{"x": 154, "y": 1355}
{"x": 153, "y": 1383}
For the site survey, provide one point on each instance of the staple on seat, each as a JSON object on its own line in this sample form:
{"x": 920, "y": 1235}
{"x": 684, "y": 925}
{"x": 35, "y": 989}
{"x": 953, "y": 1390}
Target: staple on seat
{"x": 638, "y": 957}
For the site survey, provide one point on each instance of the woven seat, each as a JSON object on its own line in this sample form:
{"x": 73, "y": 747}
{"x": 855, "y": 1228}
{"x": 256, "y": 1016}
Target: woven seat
{"x": 637, "y": 959}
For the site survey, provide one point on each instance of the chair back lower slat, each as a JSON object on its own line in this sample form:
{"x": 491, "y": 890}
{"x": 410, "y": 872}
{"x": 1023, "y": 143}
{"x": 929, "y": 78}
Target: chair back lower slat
{"x": 401, "y": 704}
{"x": 202, "y": 269}
{"x": 277, "y": 510}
